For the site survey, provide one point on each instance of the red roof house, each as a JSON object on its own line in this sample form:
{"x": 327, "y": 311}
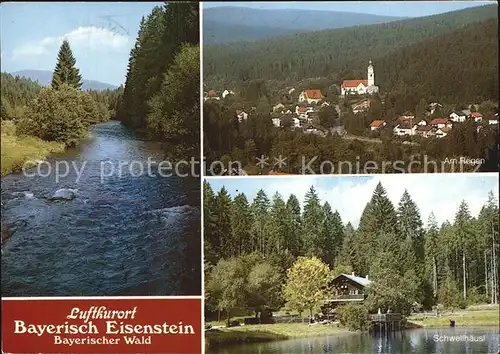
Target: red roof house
{"x": 354, "y": 83}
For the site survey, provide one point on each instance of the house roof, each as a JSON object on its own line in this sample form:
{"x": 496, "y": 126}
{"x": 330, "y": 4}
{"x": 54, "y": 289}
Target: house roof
{"x": 354, "y": 83}
{"x": 314, "y": 94}
{"x": 439, "y": 121}
{"x": 376, "y": 123}
{"x": 424, "y": 128}
{"x": 303, "y": 109}
{"x": 458, "y": 113}
{"x": 212, "y": 93}
{"x": 445, "y": 129}
{"x": 405, "y": 125}
{"x": 360, "y": 280}
{"x": 477, "y": 115}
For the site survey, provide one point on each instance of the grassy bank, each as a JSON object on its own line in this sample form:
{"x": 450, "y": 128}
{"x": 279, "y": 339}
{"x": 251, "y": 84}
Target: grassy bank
{"x": 16, "y": 149}
{"x": 462, "y": 318}
{"x": 267, "y": 333}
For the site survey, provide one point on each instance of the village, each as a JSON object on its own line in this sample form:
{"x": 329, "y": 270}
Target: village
{"x": 356, "y": 98}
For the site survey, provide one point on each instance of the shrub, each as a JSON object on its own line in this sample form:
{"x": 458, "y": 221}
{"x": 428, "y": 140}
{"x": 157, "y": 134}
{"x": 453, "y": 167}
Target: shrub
{"x": 354, "y": 317}
{"x": 62, "y": 115}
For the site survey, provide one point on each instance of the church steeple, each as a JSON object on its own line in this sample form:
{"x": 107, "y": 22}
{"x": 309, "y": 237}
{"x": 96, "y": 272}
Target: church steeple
{"x": 371, "y": 74}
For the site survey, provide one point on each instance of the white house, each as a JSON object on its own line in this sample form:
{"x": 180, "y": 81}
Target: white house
{"x": 241, "y": 115}
{"x": 212, "y": 95}
{"x": 425, "y": 131}
{"x": 276, "y": 122}
{"x": 360, "y": 87}
{"x": 405, "y": 128}
{"x": 296, "y": 122}
{"x": 477, "y": 117}
{"x": 227, "y": 93}
{"x": 361, "y": 106}
{"x": 441, "y": 123}
{"x": 458, "y": 116}
{"x": 311, "y": 96}
{"x": 278, "y": 107}
{"x": 377, "y": 124}
{"x": 433, "y": 106}
{"x": 442, "y": 132}
{"x": 303, "y": 111}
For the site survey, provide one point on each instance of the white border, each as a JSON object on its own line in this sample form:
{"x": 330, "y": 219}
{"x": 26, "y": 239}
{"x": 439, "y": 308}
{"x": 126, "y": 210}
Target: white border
{"x": 202, "y": 180}
{"x": 334, "y": 175}
{"x": 170, "y": 297}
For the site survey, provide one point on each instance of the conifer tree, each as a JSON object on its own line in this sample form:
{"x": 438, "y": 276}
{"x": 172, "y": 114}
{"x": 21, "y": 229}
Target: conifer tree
{"x": 66, "y": 71}
{"x": 313, "y": 223}
{"x": 260, "y": 210}
{"x": 241, "y": 224}
{"x": 222, "y": 226}
{"x": 294, "y": 234}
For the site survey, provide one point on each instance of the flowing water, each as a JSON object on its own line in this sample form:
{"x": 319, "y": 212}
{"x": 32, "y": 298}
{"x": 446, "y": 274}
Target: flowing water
{"x": 417, "y": 341}
{"x": 123, "y": 234}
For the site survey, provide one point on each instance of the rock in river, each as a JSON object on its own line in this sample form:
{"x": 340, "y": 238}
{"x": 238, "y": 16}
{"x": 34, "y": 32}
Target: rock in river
{"x": 64, "y": 194}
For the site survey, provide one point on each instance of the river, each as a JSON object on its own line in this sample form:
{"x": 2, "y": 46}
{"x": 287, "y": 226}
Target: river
{"x": 416, "y": 341}
{"x": 123, "y": 235}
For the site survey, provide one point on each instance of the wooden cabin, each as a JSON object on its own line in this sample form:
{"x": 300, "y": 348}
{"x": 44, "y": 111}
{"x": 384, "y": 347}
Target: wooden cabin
{"x": 346, "y": 288}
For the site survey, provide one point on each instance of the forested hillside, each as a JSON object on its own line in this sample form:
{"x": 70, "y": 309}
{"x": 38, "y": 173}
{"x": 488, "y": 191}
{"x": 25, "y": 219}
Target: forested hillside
{"x": 162, "y": 87}
{"x": 230, "y": 23}
{"x": 337, "y": 52}
{"x": 461, "y": 66}
{"x": 44, "y": 78}
{"x": 16, "y": 93}
{"x": 452, "y": 264}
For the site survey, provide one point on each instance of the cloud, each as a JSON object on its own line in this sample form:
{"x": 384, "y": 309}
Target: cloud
{"x": 32, "y": 49}
{"x": 89, "y": 37}
{"x": 437, "y": 193}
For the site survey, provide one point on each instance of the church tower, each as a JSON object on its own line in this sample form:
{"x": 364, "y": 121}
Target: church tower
{"x": 371, "y": 74}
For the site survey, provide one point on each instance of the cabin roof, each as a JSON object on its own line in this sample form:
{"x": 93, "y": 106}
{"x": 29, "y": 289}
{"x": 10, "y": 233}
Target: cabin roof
{"x": 360, "y": 280}
{"x": 354, "y": 278}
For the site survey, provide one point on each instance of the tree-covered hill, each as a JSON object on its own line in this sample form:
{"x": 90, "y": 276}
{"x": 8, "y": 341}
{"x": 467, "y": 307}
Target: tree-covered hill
{"x": 232, "y": 23}
{"x": 461, "y": 66}
{"x": 328, "y": 52}
{"x": 44, "y": 78}
{"x": 161, "y": 94}
{"x": 16, "y": 92}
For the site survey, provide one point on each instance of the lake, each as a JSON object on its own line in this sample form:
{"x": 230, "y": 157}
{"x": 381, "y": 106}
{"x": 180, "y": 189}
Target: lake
{"x": 415, "y": 341}
{"x": 124, "y": 234}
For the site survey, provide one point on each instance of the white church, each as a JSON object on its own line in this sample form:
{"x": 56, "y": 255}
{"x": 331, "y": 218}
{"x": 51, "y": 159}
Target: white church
{"x": 360, "y": 87}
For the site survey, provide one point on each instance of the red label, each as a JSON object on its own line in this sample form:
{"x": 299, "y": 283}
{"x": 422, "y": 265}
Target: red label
{"x": 102, "y": 326}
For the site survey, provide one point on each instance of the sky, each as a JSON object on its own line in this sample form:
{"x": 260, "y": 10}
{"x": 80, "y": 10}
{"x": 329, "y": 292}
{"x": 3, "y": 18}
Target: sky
{"x": 31, "y": 34}
{"x": 388, "y": 8}
{"x": 438, "y": 193}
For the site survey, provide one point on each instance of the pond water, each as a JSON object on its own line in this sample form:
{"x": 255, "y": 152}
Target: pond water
{"x": 416, "y": 341}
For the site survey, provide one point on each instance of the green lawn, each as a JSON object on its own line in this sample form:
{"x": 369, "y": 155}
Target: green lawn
{"x": 268, "y": 332}
{"x": 16, "y": 150}
{"x": 462, "y": 318}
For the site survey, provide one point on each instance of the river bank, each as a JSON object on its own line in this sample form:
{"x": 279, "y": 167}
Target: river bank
{"x": 17, "y": 150}
{"x": 462, "y": 318}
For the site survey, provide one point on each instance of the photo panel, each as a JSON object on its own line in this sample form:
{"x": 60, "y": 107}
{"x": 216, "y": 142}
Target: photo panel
{"x": 101, "y": 207}
{"x": 345, "y": 264}
{"x": 350, "y": 87}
